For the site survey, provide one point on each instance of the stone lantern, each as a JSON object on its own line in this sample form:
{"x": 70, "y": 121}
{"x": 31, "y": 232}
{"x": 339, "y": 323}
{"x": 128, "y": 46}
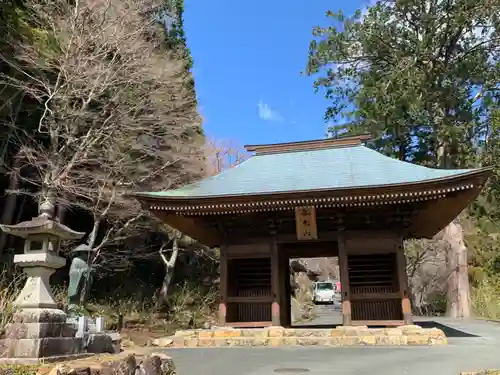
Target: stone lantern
{"x": 39, "y": 328}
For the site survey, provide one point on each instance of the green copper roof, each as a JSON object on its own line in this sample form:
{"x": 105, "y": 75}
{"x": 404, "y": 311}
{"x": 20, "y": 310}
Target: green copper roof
{"x": 334, "y": 168}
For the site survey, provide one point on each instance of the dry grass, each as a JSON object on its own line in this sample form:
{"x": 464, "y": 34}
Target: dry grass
{"x": 192, "y": 306}
{"x": 486, "y": 299}
{"x": 302, "y": 302}
{"x": 10, "y": 286}
{"x": 143, "y": 319}
{"x": 19, "y": 369}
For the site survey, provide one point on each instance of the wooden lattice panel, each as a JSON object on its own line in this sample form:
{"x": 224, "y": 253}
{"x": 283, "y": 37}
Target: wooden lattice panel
{"x": 254, "y": 312}
{"x": 374, "y": 287}
{"x": 373, "y": 271}
{"x": 252, "y": 275}
{"x": 251, "y": 285}
{"x": 376, "y": 310}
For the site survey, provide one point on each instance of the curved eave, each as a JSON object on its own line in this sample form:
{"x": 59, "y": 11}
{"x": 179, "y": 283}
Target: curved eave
{"x": 49, "y": 228}
{"x": 472, "y": 180}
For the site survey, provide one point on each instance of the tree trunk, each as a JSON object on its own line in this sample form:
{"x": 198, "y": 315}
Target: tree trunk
{"x": 458, "y": 293}
{"x": 9, "y": 209}
{"x": 167, "y": 279}
{"x": 169, "y": 271}
{"x": 458, "y": 288}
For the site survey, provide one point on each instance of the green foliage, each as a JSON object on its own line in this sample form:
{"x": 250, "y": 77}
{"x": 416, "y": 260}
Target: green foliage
{"x": 422, "y": 78}
{"x": 486, "y": 298}
{"x": 408, "y": 74}
{"x": 175, "y": 38}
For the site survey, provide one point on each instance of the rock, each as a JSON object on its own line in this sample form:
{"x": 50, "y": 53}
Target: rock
{"x": 163, "y": 342}
{"x": 100, "y": 343}
{"x": 150, "y": 366}
{"x": 160, "y": 355}
{"x": 127, "y": 343}
{"x": 156, "y": 364}
{"x": 125, "y": 366}
{"x": 61, "y": 369}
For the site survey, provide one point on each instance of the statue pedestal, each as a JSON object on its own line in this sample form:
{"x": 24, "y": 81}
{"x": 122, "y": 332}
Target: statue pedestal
{"x": 38, "y": 330}
{"x": 37, "y": 293}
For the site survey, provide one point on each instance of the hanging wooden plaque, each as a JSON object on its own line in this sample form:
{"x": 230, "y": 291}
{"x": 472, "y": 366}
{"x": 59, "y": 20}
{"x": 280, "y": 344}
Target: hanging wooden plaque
{"x": 305, "y": 223}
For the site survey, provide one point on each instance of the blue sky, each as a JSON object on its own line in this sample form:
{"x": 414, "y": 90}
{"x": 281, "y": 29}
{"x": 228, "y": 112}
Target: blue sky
{"x": 248, "y": 56}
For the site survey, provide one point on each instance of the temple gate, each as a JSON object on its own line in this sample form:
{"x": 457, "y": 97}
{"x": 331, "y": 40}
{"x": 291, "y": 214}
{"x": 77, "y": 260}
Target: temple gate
{"x": 324, "y": 198}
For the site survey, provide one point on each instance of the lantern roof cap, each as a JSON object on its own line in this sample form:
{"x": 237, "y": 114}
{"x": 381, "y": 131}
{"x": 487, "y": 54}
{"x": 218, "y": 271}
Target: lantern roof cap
{"x": 42, "y": 225}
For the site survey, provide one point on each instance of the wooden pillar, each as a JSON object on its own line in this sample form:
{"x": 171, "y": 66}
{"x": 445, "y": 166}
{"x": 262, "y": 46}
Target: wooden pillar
{"x": 344, "y": 283}
{"x": 223, "y": 285}
{"x": 275, "y": 284}
{"x": 284, "y": 278}
{"x": 403, "y": 284}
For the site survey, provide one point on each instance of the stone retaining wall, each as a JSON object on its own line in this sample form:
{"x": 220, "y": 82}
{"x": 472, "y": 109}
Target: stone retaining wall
{"x": 130, "y": 364}
{"x": 278, "y": 336}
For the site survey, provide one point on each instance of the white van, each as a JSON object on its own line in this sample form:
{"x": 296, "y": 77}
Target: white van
{"x": 324, "y": 291}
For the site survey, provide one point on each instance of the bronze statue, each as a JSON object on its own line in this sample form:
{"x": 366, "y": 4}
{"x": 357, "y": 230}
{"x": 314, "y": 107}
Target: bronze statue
{"x": 80, "y": 276}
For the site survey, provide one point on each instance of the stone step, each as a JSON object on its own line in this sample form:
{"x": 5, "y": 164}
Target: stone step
{"x": 221, "y": 341}
{"x": 292, "y": 332}
{"x": 276, "y": 336}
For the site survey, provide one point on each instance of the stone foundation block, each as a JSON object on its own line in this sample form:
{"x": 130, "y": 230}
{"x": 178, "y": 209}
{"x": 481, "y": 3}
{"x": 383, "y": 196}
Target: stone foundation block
{"x": 221, "y": 342}
{"x": 312, "y": 341}
{"x": 208, "y": 342}
{"x": 185, "y": 334}
{"x": 368, "y": 340}
{"x": 277, "y": 336}
{"x": 417, "y": 340}
{"x": 228, "y": 333}
{"x": 261, "y": 341}
{"x": 40, "y": 348}
{"x": 179, "y": 342}
{"x": 36, "y": 315}
{"x": 38, "y": 330}
{"x": 276, "y": 332}
{"x": 192, "y": 343}
{"x": 205, "y": 334}
{"x": 275, "y": 341}
{"x": 258, "y": 332}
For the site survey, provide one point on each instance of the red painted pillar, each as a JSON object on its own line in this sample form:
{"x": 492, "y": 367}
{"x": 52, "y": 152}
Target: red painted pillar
{"x": 344, "y": 282}
{"x": 275, "y": 284}
{"x": 223, "y": 286}
{"x": 403, "y": 285}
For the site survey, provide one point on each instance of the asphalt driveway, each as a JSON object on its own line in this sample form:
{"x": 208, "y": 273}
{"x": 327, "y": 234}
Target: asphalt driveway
{"x": 472, "y": 345}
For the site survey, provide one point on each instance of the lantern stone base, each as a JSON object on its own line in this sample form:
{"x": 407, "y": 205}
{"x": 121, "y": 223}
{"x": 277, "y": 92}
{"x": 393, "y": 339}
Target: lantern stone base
{"x": 43, "y": 335}
{"x": 41, "y": 349}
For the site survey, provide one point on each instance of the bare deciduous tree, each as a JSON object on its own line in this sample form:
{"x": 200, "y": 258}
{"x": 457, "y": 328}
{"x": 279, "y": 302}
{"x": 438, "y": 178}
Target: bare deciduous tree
{"x": 219, "y": 155}
{"x": 169, "y": 267}
{"x": 118, "y": 115}
{"x": 223, "y": 154}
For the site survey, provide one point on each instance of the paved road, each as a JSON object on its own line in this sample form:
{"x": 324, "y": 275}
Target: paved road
{"x": 326, "y": 315}
{"x": 472, "y": 345}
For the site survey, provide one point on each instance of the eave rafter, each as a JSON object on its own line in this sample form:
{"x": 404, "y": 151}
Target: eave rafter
{"x": 276, "y": 204}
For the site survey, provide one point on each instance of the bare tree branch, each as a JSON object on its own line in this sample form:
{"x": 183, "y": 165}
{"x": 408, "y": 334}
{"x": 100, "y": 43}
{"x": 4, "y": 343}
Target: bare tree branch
{"x": 118, "y": 114}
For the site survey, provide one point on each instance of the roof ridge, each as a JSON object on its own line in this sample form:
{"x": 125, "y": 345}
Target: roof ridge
{"x": 312, "y": 145}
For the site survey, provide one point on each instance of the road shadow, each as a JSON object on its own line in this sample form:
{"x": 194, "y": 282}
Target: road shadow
{"x": 448, "y": 331}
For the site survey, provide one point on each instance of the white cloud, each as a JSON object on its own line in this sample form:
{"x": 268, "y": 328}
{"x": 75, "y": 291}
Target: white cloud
{"x": 268, "y": 114}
